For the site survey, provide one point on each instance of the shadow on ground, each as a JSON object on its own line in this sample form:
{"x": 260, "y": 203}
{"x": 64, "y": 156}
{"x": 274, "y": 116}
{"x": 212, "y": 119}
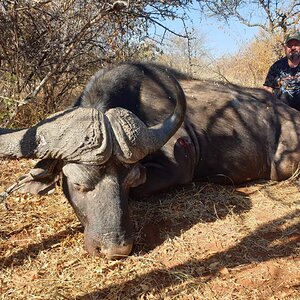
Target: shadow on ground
{"x": 259, "y": 246}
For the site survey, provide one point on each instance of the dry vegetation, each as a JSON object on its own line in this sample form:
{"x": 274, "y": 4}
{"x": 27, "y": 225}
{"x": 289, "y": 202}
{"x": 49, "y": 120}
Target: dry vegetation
{"x": 201, "y": 241}
{"x": 250, "y": 65}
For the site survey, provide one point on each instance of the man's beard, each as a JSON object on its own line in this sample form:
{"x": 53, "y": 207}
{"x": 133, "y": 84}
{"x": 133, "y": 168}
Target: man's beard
{"x": 294, "y": 56}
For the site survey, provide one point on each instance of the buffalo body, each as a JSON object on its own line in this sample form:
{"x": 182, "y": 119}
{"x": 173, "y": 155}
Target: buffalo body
{"x": 228, "y": 134}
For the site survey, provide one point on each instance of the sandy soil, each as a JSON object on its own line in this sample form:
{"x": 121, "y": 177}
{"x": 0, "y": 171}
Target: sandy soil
{"x": 201, "y": 241}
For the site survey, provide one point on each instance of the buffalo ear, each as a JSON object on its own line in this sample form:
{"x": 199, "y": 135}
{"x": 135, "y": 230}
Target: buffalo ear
{"x": 40, "y": 187}
{"x": 42, "y": 178}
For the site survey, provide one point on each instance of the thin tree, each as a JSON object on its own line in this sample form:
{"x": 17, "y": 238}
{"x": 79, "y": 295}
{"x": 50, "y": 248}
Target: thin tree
{"x": 49, "y": 47}
{"x": 269, "y": 16}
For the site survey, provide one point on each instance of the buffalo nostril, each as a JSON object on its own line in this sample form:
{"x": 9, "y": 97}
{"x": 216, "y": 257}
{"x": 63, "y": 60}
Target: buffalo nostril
{"x": 92, "y": 249}
{"x": 117, "y": 252}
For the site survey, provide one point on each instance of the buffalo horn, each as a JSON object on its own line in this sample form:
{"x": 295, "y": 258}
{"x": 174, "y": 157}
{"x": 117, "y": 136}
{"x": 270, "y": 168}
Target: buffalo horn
{"x": 76, "y": 134}
{"x": 134, "y": 139}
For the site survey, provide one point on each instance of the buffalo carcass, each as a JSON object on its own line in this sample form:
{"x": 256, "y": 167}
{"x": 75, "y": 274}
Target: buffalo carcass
{"x": 229, "y": 134}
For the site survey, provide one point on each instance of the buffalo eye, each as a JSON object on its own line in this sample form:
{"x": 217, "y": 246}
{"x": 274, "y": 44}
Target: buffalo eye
{"x": 81, "y": 188}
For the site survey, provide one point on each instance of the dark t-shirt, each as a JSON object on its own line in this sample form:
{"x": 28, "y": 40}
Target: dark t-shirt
{"x": 285, "y": 81}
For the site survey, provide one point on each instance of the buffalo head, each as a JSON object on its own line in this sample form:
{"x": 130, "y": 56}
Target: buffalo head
{"x": 100, "y": 147}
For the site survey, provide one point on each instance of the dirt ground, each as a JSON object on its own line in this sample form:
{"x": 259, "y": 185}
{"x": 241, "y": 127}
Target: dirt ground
{"x": 201, "y": 241}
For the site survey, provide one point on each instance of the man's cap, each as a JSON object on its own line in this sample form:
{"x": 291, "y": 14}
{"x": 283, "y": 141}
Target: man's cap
{"x": 292, "y": 36}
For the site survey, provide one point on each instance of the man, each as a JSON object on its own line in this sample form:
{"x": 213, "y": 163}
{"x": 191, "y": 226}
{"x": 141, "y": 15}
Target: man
{"x": 283, "y": 78}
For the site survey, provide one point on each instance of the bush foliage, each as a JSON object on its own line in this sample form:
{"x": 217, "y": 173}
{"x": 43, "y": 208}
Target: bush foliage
{"x": 49, "y": 49}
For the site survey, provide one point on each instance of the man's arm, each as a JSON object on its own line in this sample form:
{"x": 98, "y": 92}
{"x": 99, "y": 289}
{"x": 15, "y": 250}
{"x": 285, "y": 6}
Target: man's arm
{"x": 270, "y": 81}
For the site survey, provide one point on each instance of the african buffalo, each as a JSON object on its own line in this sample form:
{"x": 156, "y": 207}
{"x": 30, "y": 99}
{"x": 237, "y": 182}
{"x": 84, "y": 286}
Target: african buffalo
{"x": 131, "y": 132}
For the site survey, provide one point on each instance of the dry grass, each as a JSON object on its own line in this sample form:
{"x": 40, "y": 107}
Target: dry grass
{"x": 202, "y": 241}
